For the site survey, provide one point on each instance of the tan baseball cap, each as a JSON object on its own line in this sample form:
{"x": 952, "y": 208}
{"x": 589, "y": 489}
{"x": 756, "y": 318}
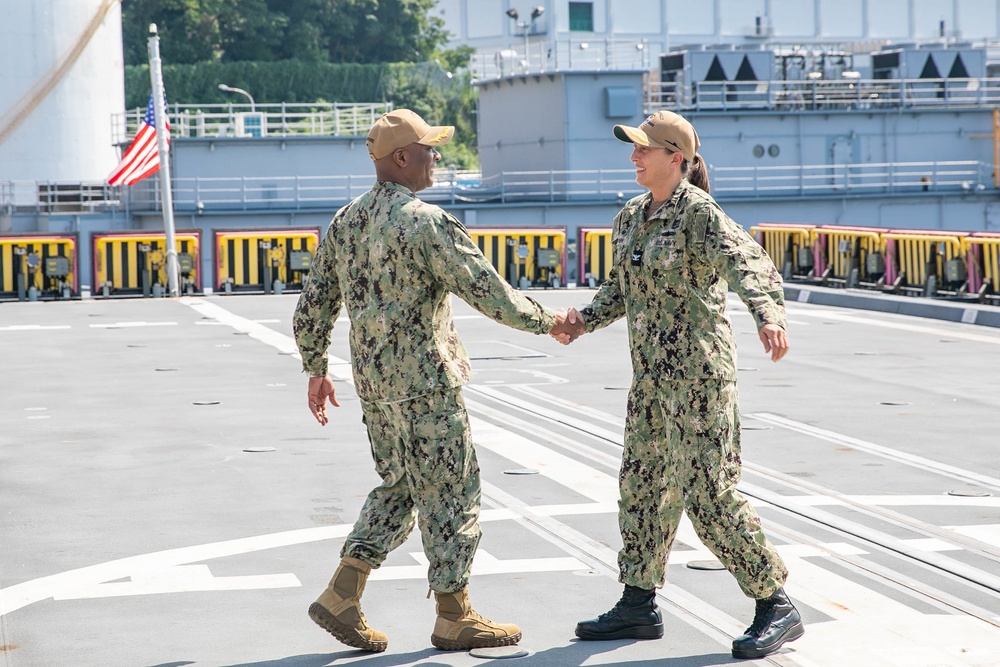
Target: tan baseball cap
{"x": 402, "y": 127}
{"x": 663, "y": 129}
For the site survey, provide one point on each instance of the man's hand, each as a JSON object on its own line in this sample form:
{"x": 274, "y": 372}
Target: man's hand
{"x": 569, "y": 326}
{"x": 775, "y": 340}
{"x": 319, "y": 390}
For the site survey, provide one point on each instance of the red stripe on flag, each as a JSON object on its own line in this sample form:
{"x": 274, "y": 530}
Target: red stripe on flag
{"x": 141, "y": 159}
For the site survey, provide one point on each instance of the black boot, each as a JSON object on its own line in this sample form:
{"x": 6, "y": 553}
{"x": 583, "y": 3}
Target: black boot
{"x": 635, "y": 616}
{"x": 777, "y": 621}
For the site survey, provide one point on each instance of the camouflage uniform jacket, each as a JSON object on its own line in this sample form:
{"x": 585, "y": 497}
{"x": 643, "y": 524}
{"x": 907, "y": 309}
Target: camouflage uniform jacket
{"x": 393, "y": 260}
{"x": 670, "y": 276}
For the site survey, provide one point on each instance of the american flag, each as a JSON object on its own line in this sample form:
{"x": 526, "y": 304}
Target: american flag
{"x": 142, "y": 158}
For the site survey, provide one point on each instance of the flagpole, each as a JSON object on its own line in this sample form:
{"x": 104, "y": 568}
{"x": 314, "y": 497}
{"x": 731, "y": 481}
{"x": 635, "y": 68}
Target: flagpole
{"x": 160, "y": 120}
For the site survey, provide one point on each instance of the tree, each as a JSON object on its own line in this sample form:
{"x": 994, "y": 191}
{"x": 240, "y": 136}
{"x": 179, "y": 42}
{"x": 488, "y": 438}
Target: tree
{"x": 188, "y": 34}
{"x": 382, "y": 31}
{"x": 339, "y": 31}
{"x": 251, "y": 30}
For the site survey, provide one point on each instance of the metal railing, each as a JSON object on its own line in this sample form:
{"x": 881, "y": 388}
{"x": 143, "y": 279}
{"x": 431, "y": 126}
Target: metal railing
{"x": 200, "y": 195}
{"x": 855, "y": 179}
{"x": 822, "y": 94}
{"x": 50, "y": 197}
{"x": 566, "y": 55}
{"x": 311, "y": 192}
{"x": 245, "y": 120}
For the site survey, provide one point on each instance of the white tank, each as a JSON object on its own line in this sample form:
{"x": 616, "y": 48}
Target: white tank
{"x": 66, "y": 136}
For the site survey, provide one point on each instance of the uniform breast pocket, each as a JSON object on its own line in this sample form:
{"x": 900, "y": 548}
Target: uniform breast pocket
{"x": 667, "y": 250}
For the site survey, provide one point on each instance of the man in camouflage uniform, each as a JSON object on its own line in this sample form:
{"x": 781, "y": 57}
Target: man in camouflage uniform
{"x": 394, "y": 260}
{"x": 676, "y": 253}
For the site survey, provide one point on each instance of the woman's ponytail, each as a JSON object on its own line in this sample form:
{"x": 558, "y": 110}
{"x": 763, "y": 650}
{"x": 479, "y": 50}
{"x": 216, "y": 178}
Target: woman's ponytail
{"x": 697, "y": 173}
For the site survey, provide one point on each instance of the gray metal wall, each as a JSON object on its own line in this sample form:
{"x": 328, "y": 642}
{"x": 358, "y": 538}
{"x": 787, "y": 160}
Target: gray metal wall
{"x": 523, "y": 124}
{"x": 589, "y": 120}
{"x": 232, "y": 157}
{"x": 838, "y": 137}
{"x": 524, "y": 121}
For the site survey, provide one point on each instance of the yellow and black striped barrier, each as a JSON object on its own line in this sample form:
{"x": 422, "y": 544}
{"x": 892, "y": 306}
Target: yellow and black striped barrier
{"x": 982, "y": 252}
{"x": 789, "y": 246}
{"x": 921, "y": 261}
{"x": 525, "y": 257}
{"x": 127, "y": 263}
{"x": 848, "y": 255}
{"x": 40, "y": 266}
{"x": 596, "y": 256}
{"x": 268, "y": 261}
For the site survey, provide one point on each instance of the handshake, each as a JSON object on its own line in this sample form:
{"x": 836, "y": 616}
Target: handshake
{"x": 569, "y": 326}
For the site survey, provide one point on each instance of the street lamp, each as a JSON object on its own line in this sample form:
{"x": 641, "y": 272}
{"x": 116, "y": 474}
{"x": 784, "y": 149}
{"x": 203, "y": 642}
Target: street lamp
{"x": 525, "y": 26}
{"x": 230, "y": 89}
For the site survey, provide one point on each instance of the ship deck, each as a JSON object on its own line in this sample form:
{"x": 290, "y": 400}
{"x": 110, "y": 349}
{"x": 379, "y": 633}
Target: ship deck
{"x": 168, "y": 500}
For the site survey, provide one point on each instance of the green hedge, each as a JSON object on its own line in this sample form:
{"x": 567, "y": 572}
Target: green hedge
{"x": 424, "y": 87}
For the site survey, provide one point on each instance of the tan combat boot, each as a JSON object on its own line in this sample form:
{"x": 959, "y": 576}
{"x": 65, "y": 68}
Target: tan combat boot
{"x": 338, "y": 609}
{"x": 460, "y": 628}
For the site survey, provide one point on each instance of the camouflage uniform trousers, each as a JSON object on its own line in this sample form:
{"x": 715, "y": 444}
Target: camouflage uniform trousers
{"x": 682, "y": 452}
{"x": 424, "y": 454}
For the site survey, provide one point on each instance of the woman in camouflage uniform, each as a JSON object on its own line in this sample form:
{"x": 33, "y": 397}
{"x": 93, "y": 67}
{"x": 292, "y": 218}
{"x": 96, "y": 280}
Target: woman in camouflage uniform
{"x": 676, "y": 254}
